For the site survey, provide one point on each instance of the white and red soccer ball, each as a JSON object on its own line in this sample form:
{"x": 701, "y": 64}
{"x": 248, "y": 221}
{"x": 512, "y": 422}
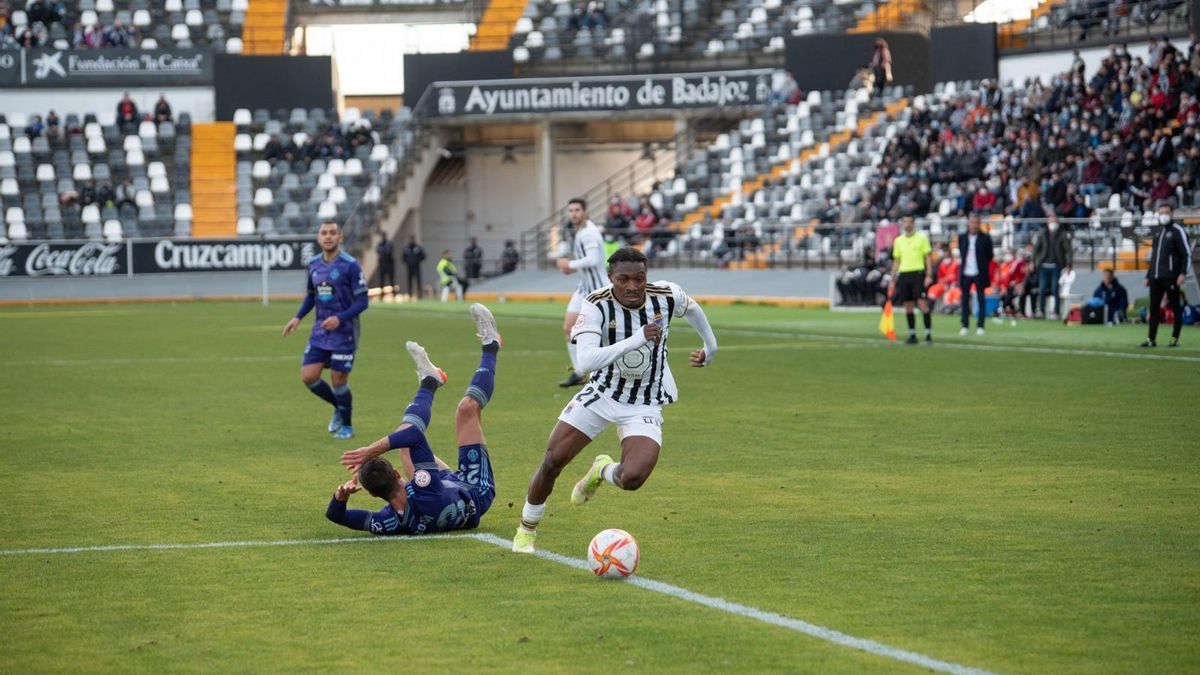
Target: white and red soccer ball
{"x": 613, "y": 554}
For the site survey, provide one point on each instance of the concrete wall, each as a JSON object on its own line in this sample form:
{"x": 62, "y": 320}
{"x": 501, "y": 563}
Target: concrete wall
{"x": 501, "y": 196}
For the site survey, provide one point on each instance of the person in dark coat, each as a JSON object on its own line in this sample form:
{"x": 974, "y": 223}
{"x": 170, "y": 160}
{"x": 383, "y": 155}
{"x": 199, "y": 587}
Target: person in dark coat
{"x": 387, "y": 261}
{"x": 414, "y": 255}
{"x": 975, "y": 246}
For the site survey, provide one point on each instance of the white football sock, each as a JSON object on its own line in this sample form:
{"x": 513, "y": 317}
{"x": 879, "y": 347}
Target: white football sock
{"x": 609, "y": 473}
{"x": 574, "y": 359}
{"x": 531, "y": 515}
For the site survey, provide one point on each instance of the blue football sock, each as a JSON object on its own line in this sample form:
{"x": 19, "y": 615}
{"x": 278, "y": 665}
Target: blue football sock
{"x": 421, "y": 409}
{"x": 345, "y": 402}
{"x": 484, "y": 379}
{"x": 323, "y": 391}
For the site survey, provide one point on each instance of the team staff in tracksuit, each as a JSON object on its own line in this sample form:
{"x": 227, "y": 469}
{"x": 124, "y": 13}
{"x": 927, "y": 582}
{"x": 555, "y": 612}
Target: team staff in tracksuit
{"x": 1170, "y": 263}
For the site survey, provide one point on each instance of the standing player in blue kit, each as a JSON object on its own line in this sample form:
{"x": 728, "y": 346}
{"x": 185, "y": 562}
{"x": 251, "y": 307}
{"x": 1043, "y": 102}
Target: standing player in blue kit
{"x": 338, "y": 291}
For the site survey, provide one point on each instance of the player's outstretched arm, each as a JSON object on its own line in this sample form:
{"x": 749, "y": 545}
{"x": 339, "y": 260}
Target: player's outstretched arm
{"x": 699, "y": 320}
{"x": 352, "y": 459}
{"x": 355, "y": 519}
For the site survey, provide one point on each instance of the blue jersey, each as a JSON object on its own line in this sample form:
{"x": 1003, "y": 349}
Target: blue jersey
{"x": 441, "y": 504}
{"x": 439, "y": 500}
{"x": 335, "y": 287}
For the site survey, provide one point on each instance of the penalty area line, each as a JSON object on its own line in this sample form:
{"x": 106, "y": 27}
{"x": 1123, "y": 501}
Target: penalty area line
{"x": 812, "y": 630}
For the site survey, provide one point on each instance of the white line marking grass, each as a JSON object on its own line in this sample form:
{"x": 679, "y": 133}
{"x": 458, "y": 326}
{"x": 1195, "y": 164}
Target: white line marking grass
{"x": 720, "y": 604}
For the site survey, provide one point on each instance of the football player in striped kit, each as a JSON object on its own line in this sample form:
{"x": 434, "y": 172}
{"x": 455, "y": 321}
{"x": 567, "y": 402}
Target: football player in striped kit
{"x": 621, "y": 337}
{"x": 588, "y": 250}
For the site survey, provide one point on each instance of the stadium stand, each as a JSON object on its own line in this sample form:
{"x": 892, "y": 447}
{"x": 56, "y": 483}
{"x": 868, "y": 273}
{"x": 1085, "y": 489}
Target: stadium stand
{"x": 296, "y": 168}
{"x": 98, "y": 24}
{"x": 641, "y": 29}
{"x": 1099, "y": 149}
{"x": 87, "y": 178}
{"x": 1063, "y": 23}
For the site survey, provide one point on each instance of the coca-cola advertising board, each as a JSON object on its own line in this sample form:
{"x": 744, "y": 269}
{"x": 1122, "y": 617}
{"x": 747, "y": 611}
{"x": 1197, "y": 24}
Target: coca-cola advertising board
{"x": 81, "y": 259}
{"x": 57, "y": 260}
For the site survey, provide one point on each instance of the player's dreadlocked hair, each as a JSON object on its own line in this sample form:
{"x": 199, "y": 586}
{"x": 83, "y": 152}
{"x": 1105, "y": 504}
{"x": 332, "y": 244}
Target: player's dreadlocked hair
{"x": 627, "y": 254}
{"x": 379, "y": 478}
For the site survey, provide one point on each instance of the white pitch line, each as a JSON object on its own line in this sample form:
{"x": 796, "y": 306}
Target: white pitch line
{"x": 720, "y": 604}
{"x": 810, "y": 629}
{"x": 220, "y": 544}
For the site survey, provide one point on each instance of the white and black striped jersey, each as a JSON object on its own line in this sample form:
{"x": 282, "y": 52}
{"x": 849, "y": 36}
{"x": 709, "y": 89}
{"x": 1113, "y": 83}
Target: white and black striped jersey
{"x": 589, "y": 262}
{"x": 642, "y": 375}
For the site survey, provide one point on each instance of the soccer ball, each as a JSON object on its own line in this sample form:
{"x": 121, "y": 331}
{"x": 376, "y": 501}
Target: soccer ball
{"x": 614, "y": 554}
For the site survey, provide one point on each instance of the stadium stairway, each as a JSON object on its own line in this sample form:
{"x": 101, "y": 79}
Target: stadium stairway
{"x": 414, "y": 174}
{"x": 265, "y": 27}
{"x": 759, "y": 259}
{"x": 496, "y": 25}
{"x": 214, "y": 194}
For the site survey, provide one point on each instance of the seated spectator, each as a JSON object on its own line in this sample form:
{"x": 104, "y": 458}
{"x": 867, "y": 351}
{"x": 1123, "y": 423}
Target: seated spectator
{"x": 118, "y": 35}
{"x": 510, "y": 257}
{"x": 619, "y": 214}
{"x": 52, "y": 124}
{"x": 87, "y": 194}
{"x": 984, "y": 201}
{"x": 948, "y": 267}
{"x": 1011, "y": 280}
{"x": 646, "y": 217}
{"x": 162, "y": 110}
{"x": 273, "y": 150}
{"x": 1092, "y": 170}
{"x": 104, "y": 195}
{"x": 125, "y": 193}
{"x": 1074, "y": 205}
{"x": 35, "y": 127}
{"x": 127, "y": 114}
{"x": 1114, "y": 296}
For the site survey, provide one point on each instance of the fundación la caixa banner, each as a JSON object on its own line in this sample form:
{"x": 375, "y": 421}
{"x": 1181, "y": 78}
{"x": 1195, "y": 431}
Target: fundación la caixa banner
{"x": 70, "y": 68}
{"x": 628, "y": 93}
{"x": 127, "y": 258}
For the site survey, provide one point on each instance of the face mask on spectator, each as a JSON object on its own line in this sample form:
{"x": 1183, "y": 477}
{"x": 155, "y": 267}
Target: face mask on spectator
{"x": 1164, "y": 219}
{"x": 1008, "y": 257}
{"x": 1052, "y": 226}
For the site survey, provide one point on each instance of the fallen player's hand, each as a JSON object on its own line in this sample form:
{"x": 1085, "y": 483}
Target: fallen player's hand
{"x": 290, "y": 326}
{"x": 331, "y": 323}
{"x": 653, "y": 332}
{"x": 697, "y": 358}
{"x": 346, "y": 489}
{"x": 352, "y": 459}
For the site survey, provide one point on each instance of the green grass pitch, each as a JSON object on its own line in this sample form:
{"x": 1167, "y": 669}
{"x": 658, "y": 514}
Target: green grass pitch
{"x": 1014, "y": 509}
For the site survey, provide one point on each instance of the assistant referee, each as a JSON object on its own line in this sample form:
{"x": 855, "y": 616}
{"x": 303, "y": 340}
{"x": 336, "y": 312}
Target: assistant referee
{"x": 911, "y": 260}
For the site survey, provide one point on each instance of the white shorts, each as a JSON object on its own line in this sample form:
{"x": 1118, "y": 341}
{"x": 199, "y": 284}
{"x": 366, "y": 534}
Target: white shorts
{"x": 576, "y": 303}
{"x": 591, "y": 412}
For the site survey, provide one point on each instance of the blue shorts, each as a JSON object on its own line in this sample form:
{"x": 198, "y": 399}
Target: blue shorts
{"x": 475, "y": 470}
{"x": 339, "y": 361}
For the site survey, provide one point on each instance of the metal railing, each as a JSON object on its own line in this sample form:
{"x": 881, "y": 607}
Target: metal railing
{"x": 688, "y": 53}
{"x": 363, "y": 221}
{"x": 1071, "y": 25}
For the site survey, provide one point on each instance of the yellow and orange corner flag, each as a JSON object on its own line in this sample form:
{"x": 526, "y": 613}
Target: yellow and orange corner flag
{"x": 887, "y": 324}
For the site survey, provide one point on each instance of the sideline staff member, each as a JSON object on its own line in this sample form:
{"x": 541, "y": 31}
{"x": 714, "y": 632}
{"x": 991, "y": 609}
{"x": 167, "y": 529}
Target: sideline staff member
{"x": 910, "y": 257}
{"x": 1170, "y": 261}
